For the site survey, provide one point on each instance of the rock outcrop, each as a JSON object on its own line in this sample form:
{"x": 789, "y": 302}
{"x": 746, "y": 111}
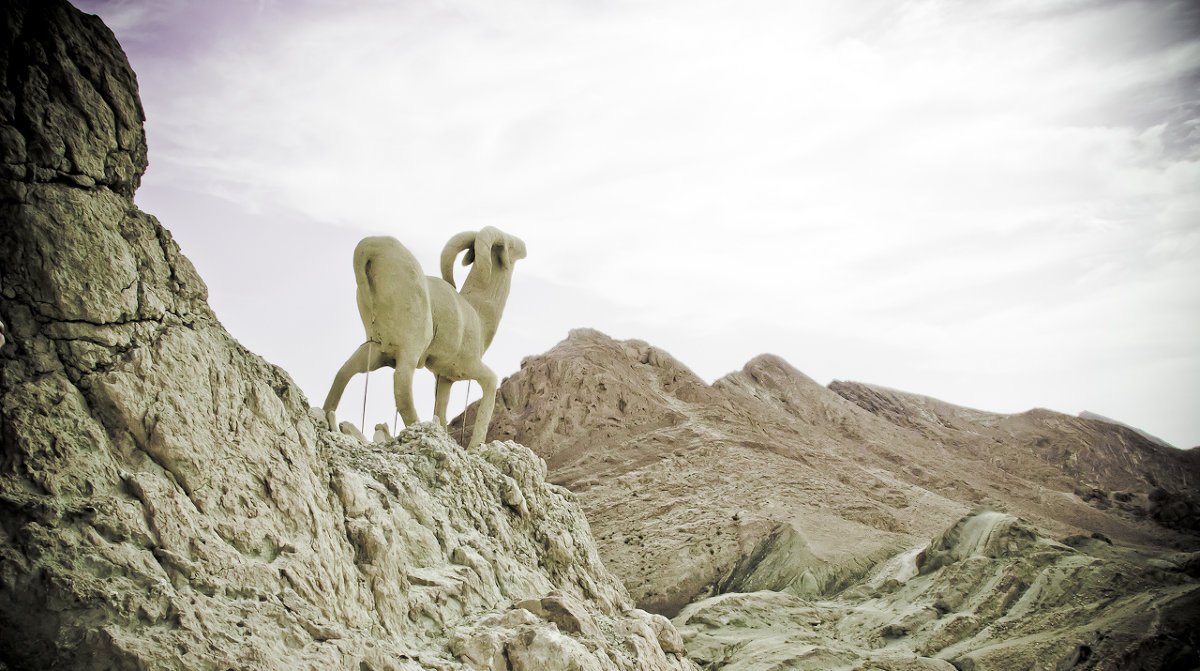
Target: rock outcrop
{"x": 168, "y": 500}
{"x": 767, "y": 480}
{"x": 988, "y": 593}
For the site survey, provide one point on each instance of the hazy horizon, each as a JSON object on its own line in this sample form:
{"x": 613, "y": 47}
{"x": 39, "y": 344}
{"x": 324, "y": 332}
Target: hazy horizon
{"x": 994, "y": 205}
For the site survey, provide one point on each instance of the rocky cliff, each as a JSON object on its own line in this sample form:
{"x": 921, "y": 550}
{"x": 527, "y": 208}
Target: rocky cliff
{"x": 168, "y": 500}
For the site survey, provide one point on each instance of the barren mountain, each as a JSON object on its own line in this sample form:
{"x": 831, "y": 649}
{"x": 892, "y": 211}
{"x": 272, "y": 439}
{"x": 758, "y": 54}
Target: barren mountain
{"x": 1106, "y": 463}
{"x": 694, "y": 490}
{"x": 1086, "y": 414}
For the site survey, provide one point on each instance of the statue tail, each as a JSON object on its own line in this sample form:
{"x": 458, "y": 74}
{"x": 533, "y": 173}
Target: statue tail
{"x": 391, "y": 288}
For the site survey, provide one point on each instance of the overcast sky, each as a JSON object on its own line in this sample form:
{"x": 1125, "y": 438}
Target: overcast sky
{"x": 992, "y": 203}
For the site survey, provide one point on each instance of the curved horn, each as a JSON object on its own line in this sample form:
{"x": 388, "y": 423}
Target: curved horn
{"x": 485, "y": 240}
{"x": 464, "y": 240}
{"x": 514, "y": 250}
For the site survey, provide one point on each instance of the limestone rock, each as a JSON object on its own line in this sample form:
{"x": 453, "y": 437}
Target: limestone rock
{"x": 567, "y": 614}
{"x": 69, "y": 111}
{"x": 169, "y": 500}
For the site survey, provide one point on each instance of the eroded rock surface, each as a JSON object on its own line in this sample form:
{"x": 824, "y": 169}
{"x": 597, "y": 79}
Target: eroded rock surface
{"x": 168, "y": 500}
{"x": 988, "y": 593}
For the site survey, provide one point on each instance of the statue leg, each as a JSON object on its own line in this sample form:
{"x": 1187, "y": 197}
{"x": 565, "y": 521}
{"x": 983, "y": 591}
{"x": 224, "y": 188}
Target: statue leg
{"x": 441, "y": 400}
{"x": 404, "y": 397}
{"x": 483, "y": 415}
{"x": 366, "y": 358}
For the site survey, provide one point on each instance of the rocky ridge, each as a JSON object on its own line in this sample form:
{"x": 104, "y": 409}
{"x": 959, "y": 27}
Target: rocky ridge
{"x": 168, "y": 498}
{"x": 784, "y": 524}
{"x": 1067, "y": 450}
{"x": 768, "y": 480}
{"x": 682, "y": 481}
{"x": 1111, "y": 466}
{"x": 1087, "y": 414}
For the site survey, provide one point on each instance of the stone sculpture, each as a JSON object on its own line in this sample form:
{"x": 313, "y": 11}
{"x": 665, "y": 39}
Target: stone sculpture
{"x": 414, "y": 321}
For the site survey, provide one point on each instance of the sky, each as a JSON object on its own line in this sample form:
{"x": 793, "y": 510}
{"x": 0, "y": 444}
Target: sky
{"x": 992, "y": 203}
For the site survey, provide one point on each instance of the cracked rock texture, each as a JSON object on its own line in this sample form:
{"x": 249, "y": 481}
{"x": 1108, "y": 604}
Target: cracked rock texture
{"x": 988, "y": 593}
{"x": 167, "y": 498}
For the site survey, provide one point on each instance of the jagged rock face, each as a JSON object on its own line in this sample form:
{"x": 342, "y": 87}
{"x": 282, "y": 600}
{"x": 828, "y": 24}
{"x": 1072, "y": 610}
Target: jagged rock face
{"x": 988, "y": 593}
{"x": 167, "y": 498}
{"x": 768, "y": 480}
{"x": 69, "y": 110}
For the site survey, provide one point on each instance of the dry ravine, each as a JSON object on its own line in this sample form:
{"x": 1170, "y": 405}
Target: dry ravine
{"x": 167, "y": 498}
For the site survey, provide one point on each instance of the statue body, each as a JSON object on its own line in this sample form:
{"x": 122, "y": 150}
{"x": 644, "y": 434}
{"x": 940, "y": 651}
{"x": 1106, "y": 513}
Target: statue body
{"x": 417, "y": 321}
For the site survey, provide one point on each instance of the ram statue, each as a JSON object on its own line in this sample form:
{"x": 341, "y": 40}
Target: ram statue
{"x": 415, "y": 321}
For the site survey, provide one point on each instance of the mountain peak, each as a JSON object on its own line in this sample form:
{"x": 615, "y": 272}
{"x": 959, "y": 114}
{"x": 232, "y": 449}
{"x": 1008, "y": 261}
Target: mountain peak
{"x": 774, "y": 370}
{"x": 585, "y": 334}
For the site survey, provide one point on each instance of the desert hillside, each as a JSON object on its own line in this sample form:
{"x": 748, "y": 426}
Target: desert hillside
{"x": 683, "y": 480}
{"x": 716, "y": 504}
